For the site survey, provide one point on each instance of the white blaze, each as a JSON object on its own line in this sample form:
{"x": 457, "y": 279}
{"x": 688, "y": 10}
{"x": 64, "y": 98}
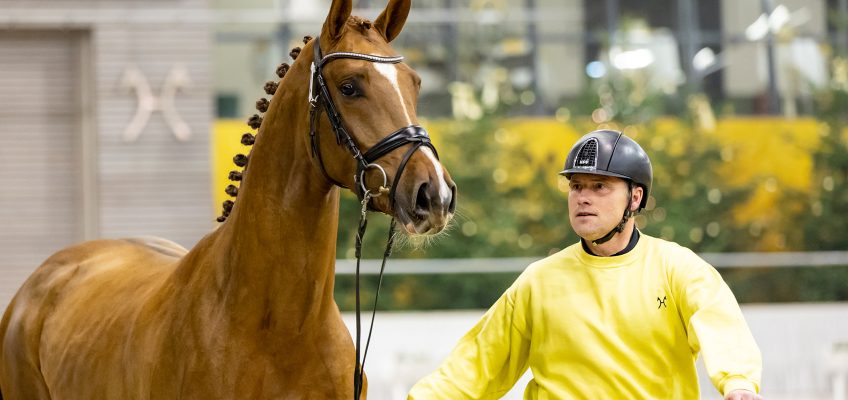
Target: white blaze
{"x": 444, "y": 190}
{"x": 389, "y": 71}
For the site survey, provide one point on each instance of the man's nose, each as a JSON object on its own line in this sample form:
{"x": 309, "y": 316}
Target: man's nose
{"x": 581, "y": 196}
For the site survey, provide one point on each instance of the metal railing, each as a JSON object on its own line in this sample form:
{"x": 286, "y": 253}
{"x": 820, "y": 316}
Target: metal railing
{"x": 518, "y": 264}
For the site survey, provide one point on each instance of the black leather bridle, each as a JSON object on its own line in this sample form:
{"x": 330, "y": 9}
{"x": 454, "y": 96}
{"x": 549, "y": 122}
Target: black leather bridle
{"x": 319, "y": 97}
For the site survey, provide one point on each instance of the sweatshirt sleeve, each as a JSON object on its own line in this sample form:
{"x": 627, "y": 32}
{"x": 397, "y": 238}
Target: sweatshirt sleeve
{"x": 715, "y": 327}
{"x": 486, "y": 362}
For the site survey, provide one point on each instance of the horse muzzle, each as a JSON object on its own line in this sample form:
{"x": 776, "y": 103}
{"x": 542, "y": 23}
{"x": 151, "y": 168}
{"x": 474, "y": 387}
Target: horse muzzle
{"x": 426, "y": 198}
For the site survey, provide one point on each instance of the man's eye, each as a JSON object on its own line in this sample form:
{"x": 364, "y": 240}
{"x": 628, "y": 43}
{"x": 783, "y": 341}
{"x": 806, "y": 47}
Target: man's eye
{"x": 348, "y": 89}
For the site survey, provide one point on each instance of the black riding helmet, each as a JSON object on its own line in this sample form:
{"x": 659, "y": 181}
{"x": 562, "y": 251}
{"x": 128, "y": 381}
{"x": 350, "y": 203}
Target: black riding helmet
{"x": 611, "y": 153}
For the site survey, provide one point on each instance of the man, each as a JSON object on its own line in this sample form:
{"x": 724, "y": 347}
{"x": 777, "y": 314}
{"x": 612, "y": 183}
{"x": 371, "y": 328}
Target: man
{"x": 620, "y": 315}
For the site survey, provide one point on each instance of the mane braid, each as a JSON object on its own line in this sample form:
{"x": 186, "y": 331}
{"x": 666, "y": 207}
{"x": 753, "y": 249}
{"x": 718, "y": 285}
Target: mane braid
{"x": 255, "y": 121}
{"x": 262, "y": 104}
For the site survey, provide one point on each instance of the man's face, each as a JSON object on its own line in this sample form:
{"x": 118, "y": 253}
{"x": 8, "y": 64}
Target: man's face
{"x": 596, "y": 204}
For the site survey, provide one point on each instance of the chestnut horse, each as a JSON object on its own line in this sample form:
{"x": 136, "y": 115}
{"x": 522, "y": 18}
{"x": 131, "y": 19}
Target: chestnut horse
{"x": 248, "y": 313}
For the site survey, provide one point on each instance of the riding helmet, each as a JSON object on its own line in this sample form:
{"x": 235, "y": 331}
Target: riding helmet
{"x": 611, "y": 153}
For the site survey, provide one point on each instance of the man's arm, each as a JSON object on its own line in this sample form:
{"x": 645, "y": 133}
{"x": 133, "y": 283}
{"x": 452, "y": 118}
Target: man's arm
{"x": 486, "y": 362}
{"x": 715, "y": 327}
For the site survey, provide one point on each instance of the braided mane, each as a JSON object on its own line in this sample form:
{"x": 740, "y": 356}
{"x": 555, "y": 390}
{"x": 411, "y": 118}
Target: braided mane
{"x": 255, "y": 121}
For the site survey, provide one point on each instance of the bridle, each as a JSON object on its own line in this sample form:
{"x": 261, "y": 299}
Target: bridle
{"x": 319, "y": 95}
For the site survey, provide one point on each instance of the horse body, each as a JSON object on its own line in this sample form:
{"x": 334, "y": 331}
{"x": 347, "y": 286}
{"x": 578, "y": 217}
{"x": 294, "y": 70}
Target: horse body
{"x": 240, "y": 316}
{"x": 249, "y": 311}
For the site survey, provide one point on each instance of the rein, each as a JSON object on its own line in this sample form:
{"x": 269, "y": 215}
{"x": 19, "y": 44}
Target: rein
{"x": 359, "y": 371}
{"x": 319, "y": 98}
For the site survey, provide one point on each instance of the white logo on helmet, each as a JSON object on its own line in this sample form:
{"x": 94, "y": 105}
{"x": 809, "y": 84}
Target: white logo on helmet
{"x": 587, "y": 157}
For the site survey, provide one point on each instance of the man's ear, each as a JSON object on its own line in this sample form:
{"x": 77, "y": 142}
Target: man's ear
{"x": 636, "y": 197}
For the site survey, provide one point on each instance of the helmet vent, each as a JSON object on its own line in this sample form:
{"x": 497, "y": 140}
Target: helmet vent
{"x": 587, "y": 157}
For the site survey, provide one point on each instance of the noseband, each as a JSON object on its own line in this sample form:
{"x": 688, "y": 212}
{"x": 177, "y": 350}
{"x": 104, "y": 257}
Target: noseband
{"x": 319, "y": 94}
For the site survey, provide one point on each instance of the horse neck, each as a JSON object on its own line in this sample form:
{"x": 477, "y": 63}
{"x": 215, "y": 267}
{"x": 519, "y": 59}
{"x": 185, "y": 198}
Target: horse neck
{"x": 273, "y": 258}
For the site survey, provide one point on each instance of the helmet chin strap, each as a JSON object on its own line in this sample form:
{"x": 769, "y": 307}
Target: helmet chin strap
{"x": 620, "y": 227}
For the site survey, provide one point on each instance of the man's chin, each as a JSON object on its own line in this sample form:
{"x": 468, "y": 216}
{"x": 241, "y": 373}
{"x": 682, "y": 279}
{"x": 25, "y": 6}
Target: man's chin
{"x": 589, "y": 234}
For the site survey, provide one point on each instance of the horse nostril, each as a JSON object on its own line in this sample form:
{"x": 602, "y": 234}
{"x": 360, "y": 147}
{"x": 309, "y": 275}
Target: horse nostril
{"x": 422, "y": 200}
{"x": 452, "y": 206}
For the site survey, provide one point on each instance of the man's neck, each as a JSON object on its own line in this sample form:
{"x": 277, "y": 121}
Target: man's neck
{"x": 620, "y": 243}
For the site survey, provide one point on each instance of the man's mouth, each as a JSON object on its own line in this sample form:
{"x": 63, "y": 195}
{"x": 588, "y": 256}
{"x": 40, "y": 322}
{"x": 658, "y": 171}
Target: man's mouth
{"x": 585, "y": 214}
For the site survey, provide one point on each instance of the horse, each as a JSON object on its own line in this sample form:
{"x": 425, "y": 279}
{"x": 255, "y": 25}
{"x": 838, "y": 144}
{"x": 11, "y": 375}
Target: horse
{"x": 248, "y": 312}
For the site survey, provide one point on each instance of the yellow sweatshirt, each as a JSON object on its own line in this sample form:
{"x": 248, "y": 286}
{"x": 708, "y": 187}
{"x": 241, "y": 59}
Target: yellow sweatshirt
{"x": 621, "y": 327}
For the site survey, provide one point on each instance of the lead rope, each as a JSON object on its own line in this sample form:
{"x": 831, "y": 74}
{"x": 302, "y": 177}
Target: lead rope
{"x": 359, "y": 370}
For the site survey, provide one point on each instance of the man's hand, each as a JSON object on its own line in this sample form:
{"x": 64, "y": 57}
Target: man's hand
{"x": 742, "y": 394}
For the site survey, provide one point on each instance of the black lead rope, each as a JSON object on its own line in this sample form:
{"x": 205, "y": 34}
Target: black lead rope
{"x": 388, "y": 252}
{"x": 359, "y": 371}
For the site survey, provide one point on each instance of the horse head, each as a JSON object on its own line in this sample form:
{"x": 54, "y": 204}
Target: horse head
{"x": 356, "y": 98}
{"x": 373, "y": 97}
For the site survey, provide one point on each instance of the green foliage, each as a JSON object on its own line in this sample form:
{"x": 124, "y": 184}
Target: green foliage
{"x": 779, "y": 285}
{"x": 692, "y": 206}
{"x": 626, "y": 99}
{"x": 824, "y": 222}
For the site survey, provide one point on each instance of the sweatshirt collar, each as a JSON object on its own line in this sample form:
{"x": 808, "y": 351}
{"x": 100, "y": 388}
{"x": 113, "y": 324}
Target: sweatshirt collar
{"x": 634, "y": 238}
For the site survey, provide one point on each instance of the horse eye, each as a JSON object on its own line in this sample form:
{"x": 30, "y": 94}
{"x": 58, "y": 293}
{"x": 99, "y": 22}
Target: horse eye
{"x": 348, "y": 89}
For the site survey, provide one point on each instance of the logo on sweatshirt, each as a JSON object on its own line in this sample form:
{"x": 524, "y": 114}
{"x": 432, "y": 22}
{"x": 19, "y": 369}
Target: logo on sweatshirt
{"x": 661, "y": 302}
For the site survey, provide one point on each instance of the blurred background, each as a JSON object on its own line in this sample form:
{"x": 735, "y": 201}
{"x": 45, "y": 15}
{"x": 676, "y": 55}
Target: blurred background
{"x": 120, "y": 118}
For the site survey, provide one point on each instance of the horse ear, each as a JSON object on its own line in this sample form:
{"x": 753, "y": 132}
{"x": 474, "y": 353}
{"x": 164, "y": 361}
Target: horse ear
{"x": 391, "y": 20}
{"x": 337, "y": 18}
